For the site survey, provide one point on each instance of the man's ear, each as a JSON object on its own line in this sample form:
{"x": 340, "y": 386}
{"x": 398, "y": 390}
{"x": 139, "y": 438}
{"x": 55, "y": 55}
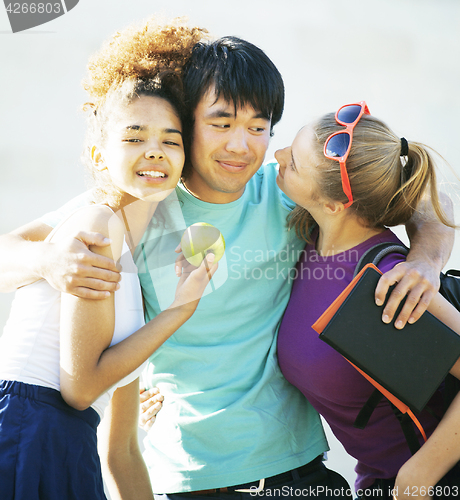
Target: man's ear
{"x": 97, "y": 158}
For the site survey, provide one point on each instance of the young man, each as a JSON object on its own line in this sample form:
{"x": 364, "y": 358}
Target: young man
{"x": 230, "y": 421}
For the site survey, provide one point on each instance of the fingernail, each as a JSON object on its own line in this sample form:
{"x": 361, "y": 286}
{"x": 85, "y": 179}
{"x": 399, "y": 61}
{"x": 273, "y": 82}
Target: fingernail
{"x": 210, "y": 257}
{"x": 385, "y": 318}
{"x": 379, "y": 302}
{"x": 118, "y": 286}
{"x": 399, "y": 324}
{"x": 411, "y": 320}
{"x": 107, "y": 240}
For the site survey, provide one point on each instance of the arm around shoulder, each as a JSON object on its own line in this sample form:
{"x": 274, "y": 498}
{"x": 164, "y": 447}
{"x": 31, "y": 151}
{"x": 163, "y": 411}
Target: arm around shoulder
{"x": 67, "y": 264}
{"x": 418, "y": 277}
{"x": 431, "y": 240}
{"x": 23, "y": 255}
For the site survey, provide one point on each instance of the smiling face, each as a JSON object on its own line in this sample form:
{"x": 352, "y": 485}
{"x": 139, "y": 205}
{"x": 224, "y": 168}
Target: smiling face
{"x": 143, "y": 151}
{"x": 227, "y": 148}
{"x": 297, "y": 176}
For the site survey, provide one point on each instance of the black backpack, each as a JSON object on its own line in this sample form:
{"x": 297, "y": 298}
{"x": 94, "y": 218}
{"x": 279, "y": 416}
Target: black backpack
{"x": 450, "y": 290}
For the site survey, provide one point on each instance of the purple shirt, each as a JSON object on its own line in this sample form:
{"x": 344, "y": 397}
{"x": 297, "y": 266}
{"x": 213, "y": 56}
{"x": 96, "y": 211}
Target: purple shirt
{"x": 334, "y": 387}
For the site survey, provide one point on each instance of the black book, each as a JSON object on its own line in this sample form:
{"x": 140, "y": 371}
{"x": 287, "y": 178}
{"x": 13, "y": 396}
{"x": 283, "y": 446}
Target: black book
{"x": 410, "y": 363}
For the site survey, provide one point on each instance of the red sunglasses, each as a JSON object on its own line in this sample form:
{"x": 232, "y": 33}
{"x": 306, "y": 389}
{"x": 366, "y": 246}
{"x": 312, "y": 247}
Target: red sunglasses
{"x": 338, "y": 145}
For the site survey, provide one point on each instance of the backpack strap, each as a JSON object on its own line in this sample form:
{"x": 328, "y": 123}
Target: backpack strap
{"x": 450, "y": 287}
{"x": 405, "y": 421}
{"x": 366, "y": 411}
{"x": 376, "y": 253}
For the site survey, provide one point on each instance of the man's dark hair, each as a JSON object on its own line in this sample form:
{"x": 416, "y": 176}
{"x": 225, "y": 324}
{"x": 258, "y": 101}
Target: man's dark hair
{"x": 239, "y": 72}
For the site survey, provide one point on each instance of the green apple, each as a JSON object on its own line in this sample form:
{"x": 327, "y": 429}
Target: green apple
{"x": 200, "y": 239}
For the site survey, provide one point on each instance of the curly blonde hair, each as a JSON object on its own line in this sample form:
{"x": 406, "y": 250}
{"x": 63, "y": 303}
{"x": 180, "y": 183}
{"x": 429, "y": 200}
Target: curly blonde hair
{"x": 144, "y": 59}
{"x": 141, "y": 52}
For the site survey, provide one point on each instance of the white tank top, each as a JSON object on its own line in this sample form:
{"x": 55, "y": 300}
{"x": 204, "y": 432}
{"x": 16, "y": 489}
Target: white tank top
{"x": 29, "y": 346}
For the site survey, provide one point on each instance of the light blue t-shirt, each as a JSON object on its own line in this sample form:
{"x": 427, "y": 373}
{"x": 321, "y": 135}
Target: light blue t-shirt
{"x": 229, "y": 416}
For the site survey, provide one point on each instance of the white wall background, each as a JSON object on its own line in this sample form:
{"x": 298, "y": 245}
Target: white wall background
{"x": 401, "y": 56}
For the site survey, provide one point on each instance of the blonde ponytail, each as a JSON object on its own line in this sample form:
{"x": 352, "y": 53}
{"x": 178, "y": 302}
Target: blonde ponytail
{"x": 417, "y": 179}
{"x": 387, "y": 188}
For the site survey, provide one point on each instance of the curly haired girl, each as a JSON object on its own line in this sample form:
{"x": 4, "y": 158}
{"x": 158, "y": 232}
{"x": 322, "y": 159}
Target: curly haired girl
{"x": 63, "y": 357}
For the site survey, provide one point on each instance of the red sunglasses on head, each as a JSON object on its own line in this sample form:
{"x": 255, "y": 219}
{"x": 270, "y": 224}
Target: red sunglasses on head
{"x": 338, "y": 145}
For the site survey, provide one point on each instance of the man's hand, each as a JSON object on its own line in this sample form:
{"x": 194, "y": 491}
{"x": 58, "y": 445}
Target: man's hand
{"x": 418, "y": 280}
{"x": 69, "y": 266}
{"x": 431, "y": 243}
{"x": 151, "y": 402}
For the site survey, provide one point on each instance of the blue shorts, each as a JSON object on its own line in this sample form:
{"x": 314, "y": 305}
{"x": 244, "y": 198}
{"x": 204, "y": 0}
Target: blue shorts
{"x": 48, "y": 450}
